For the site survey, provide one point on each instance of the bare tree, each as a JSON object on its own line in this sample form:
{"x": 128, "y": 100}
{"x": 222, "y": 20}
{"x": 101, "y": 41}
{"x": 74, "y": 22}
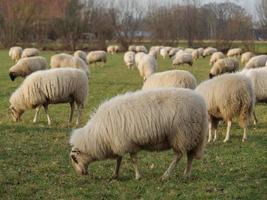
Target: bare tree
{"x": 262, "y": 14}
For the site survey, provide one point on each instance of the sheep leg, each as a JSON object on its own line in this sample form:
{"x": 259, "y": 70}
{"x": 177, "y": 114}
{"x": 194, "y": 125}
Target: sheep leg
{"x": 210, "y": 131}
{"x": 173, "y": 164}
{"x": 215, "y": 135}
{"x": 117, "y": 168}
{"x": 245, "y": 137}
{"x": 71, "y": 111}
{"x": 36, "y": 114}
{"x": 188, "y": 168}
{"x": 133, "y": 157}
{"x": 229, "y": 124}
{"x": 79, "y": 114}
{"x": 47, "y": 115}
{"x": 255, "y": 118}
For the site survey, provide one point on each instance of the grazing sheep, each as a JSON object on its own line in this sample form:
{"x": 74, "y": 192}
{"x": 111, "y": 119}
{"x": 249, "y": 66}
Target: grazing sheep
{"x": 15, "y": 53}
{"x": 50, "y": 87}
{"x": 225, "y": 65}
{"x": 234, "y": 52}
{"x": 26, "y": 66}
{"x": 245, "y": 57}
{"x": 131, "y": 48}
{"x": 195, "y": 54}
{"x": 189, "y": 50}
{"x": 129, "y": 57}
{"x": 172, "y": 78}
{"x": 216, "y": 56}
{"x": 209, "y": 51}
{"x": 80, "y": 54}
{"x": 173, "y": 51}
{"x": 96, "y": 56}
{"x": 259, "y": 83}
{"x": 147, "y": 66}
{"x": 141, "y": 48}
{"x": 29, "y": 52}
{"x": 155, "y": 49}
{"x": 153, "y": 52}
{"x": 256, "y": 62}
{"x": 63, "y": 60}
{"x": 138, "y": 57}
{"x": 200, "y": 51}
{"x": 182, "y": 58}
{"x": 228, "y": 96}
{"x": 112, "y": 49}
{"x": 163, "y": 53}
{"x": 152, "y": 120}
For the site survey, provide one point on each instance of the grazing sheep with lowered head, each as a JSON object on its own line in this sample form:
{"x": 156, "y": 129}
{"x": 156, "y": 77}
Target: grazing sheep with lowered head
{"x": 96, "y": 56}
{"x": 26, "y": 66}
{"x": 147, "y": 66}
{"x": 228, "y": 96}
{"x": 245, "y": 57}
{"x": 209, "y": 51}
{"x": 234, "y": 52}
{"x": 129, "y": 57}
{"x": 53, "y": 86}
{"x": 256, "y": 62}
{"x": 172, "y": 78}
{"x": 29, "y": 52}
{"x": 225, "y": 65}
{"x": 216, "y": 56}
{"x": 15, "y": 53}
{"x": 182, "y": 58}
{"x": 153, "y": 120}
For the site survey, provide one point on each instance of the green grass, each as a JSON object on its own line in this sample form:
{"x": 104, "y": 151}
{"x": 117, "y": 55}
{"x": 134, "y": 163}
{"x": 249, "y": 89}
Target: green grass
{"x": 34, "y": 158}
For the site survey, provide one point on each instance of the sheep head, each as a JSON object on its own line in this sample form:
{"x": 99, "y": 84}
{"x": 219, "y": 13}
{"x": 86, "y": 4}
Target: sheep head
{"x": 15, "y": 113}
{"x": 12, "y": 75}
{"x": 80, "y": 161}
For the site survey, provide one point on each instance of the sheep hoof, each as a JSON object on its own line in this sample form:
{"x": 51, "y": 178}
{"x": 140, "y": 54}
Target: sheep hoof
{"x": 209, "y": 140}
{"x": 226, "y": 140}
{"x": 164, "y": 178}
{"x": 244, "y": 139}
{"x": 138, "y": 177}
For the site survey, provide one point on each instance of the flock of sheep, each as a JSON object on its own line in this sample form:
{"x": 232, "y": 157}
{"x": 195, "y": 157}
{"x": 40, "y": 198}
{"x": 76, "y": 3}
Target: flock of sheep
{"x": 170, "y": 111}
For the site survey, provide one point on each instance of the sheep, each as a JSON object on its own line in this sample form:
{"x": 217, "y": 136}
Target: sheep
{"x": 245, "y": 57}
{"x": 209, "y": 51}
{"x": 96, "y": 56}
{"x": 15, "y": 53}
{"x": 112, "y": 49}
{"x": 189, "y": 50}
{"x": 29, "y": 52}
{"x": 195, "y": 54}
{"x": 155, "y": 49}
{"x": 200, "y": 51}
{"x": 163, "y": 53}
{"x": 234, "y": 52}
{"x": 153, "y": 52}
{"x": 152, "y": 120}
{"x": 80, "y": 54}
{"x": 173, "y": 51}
{"x": 131, "y": 48}
{"x": 138, "y": 57}
{"x": 147, "y": 66}
{"x": 141, "y": 48}
{"x": 63, "y": 85}
{"x": 225, "y": 65}
{"x": 259, "y": 83}
{"x": 228, "y": 96}
{"x": 182, "y": 58}
{"x": 172, "y": 78}
{"x": 26, "y": 66}
{"x": 65, "y": 60}
{"x": 216, "y": 56}
{"x": 129, "y": 57}
{"x": 256, "y": 61}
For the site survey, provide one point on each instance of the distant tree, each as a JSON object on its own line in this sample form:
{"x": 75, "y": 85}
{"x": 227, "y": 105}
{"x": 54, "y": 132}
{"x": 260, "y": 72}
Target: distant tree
{"x": 262, "y": 14}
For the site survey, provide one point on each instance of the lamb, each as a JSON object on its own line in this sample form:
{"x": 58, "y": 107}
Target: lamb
{"x": 112, "y": 49}
{"x": 147, "y": 66}
{"x": 209, "y": 51}
{"x": 138, "y": 57}
{"x": 234, "y": 52}
{"x": 216, "y": 56}
{"x": 259, "y": 83}
{"x": 225, "y": 65}
{"x": 29, "y": 52}
{"x": 129, "y": 57}
{"x": 228, "y": 96}
{"x": 182, "y": 58}
{"x": 256, "y": 62}
{"x": 80, "y": 54}
{"x": 63, "y": 85}
{"x": 65, "y": 60}
{"x": 15, "y": 53}
{"x": 96, "y": 56}
{"x": 26, "y": 66}
{"x": 163, "y": 53}
{"x": 172, "y": 78}
{"x": 245, "y": 57}
{"x": 141, "y": 48}
{"x": 152, "y": 120}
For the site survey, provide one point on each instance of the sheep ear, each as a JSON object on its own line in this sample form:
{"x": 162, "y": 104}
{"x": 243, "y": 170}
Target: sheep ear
{"x": 74, "y": 159}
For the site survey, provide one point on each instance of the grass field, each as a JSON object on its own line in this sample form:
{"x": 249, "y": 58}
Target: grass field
{"x": 34, "y": 158}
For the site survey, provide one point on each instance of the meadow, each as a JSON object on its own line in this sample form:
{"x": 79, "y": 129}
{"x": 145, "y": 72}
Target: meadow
{"x": 34, "y": 158}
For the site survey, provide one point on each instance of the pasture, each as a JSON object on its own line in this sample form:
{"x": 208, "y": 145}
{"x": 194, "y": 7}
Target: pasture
{"x": 34, "y": 158}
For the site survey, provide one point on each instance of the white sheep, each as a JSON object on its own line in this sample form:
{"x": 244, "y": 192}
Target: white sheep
{"x": 163, "y": 53}
{"x": 216, "y": 56}
{"x": 29, "y": 52}
{"x": 50, "y": 87}
{"x": 200, "y": 51}
{"x": 141, "y": 48}
{"x": 225, "y": 65}
{"x": 245, "y": 57}
{"x": 129, "y": 59}
{"x": 182, "y": 58}
{"x": 131, "y": 48}
{"x": 195, "y": 54}
{"x": 209, "y": 51}
{"x": 138, "y": 57}
{"x": 234, "y": 52}
{"x": 155, "y": 49}
{"x": 96, "y": 56}
{"x": 189, "y": 50}
{"x": 112, "y": 49}
{"x": 172, "y": 78}
{"x": 63, "y": 60}
{"x": 147, "y": 66}
{"x": 26, "y": 66}
{"x": 80, "y": 54}
{"x": 228, "y": 96}
{"x": 15, "y": 53}
{"x": 173, "y": 51}
{"x": 256, "y": 61}
{"x": 153, "y": 120}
